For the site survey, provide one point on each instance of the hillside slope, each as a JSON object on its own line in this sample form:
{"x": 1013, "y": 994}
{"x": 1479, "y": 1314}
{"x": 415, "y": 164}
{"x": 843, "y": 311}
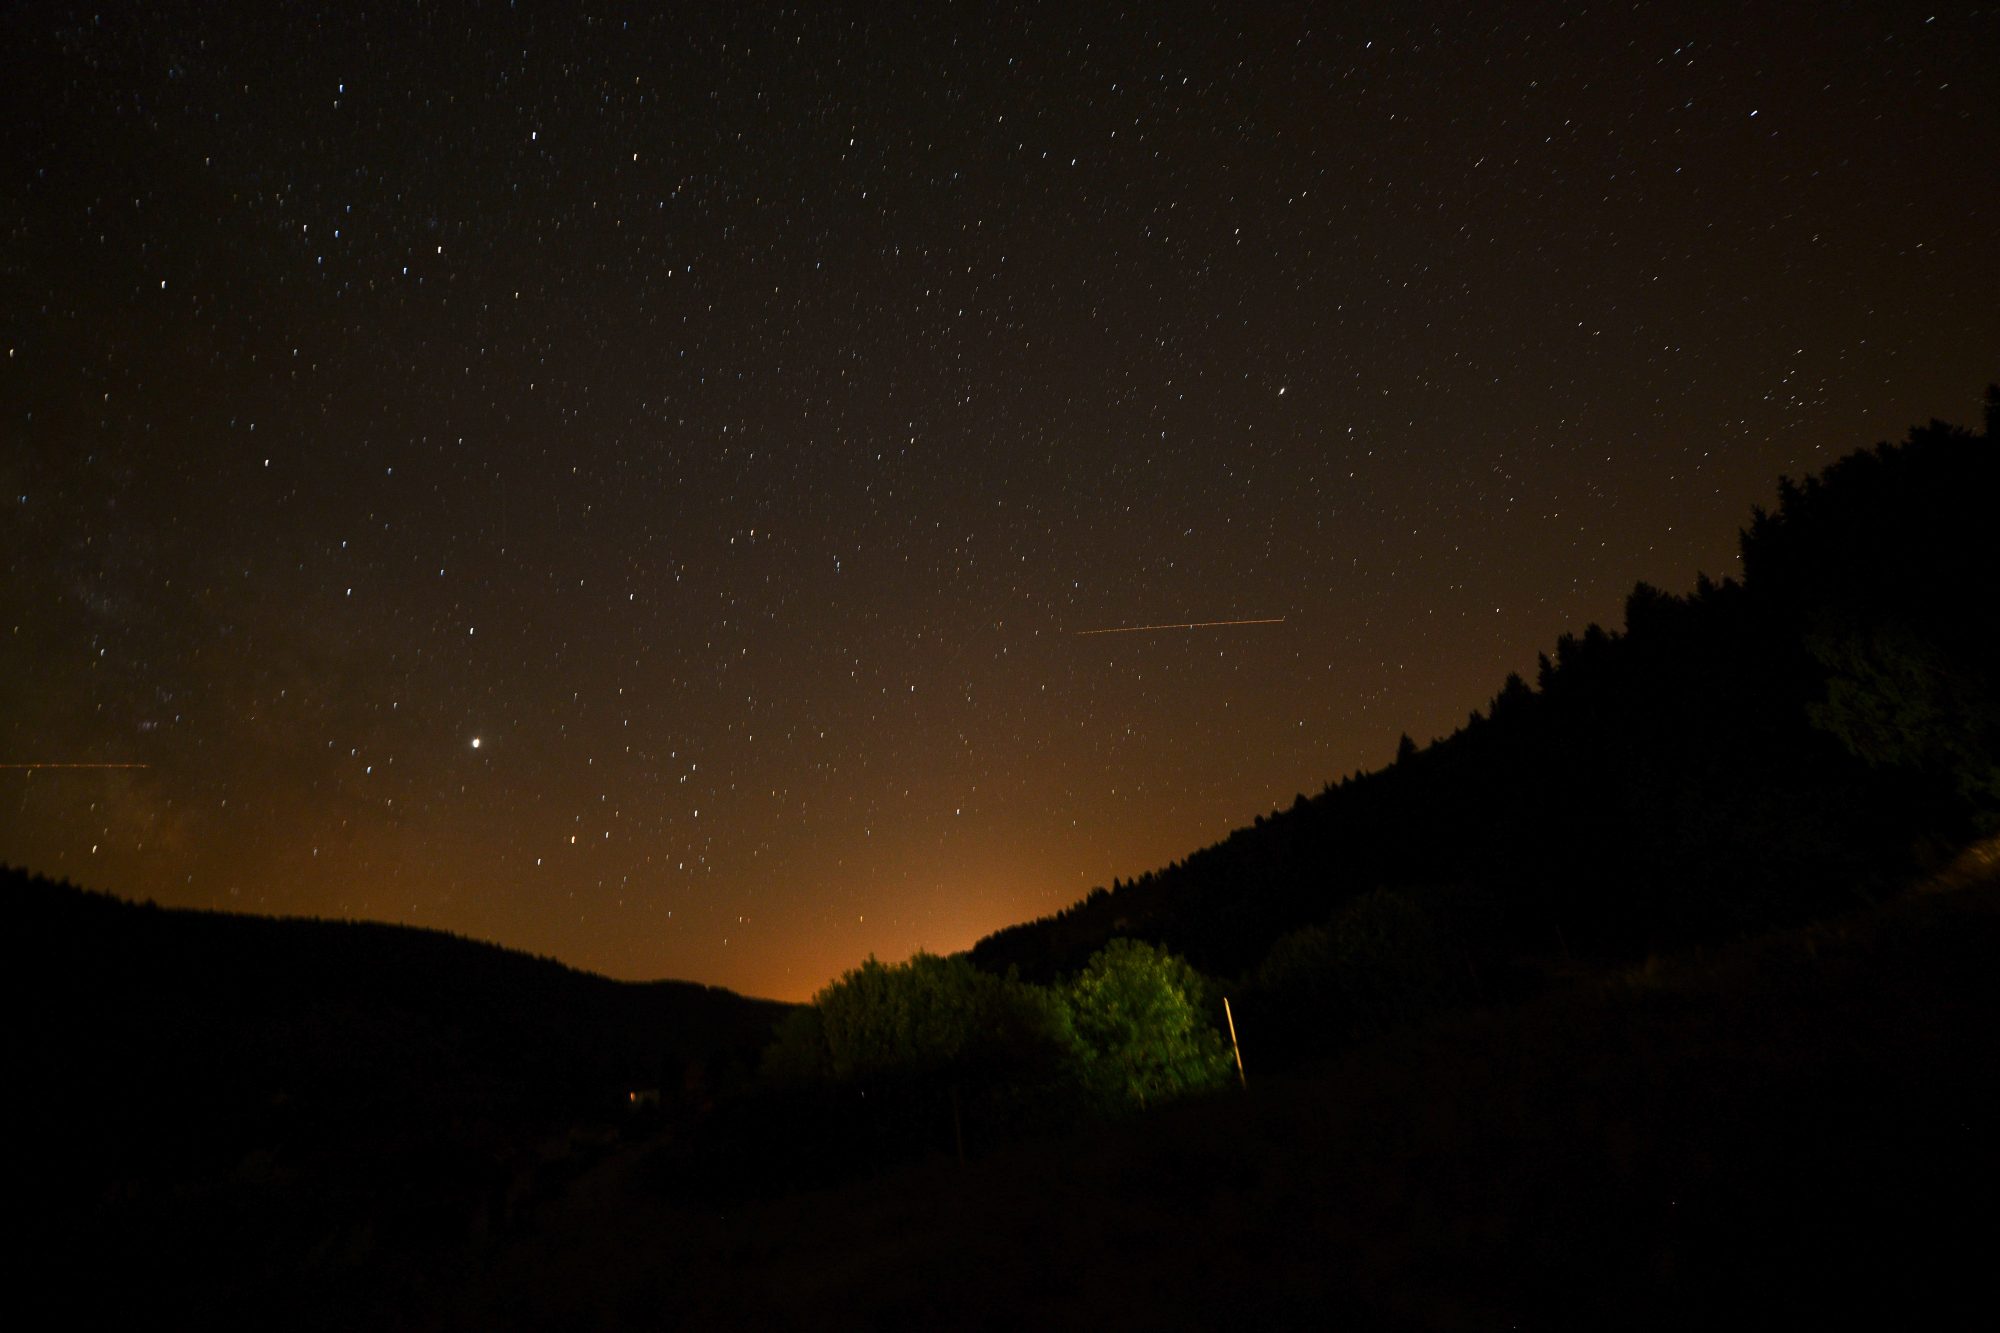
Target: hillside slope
{"x": 347, "y": 1106}
{"x": 1784, "y": 1131}
{"x": 1754, "y": 753}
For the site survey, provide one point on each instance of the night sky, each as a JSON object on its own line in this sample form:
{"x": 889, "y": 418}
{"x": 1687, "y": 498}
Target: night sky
{"x": 633, "y": 487}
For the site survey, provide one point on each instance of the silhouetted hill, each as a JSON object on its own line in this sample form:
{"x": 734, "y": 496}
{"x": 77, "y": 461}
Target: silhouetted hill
{"x": 1466, "y": 1104}
{"x": 336, "y": 1104}
{"x": 1751, "y": 754}
{"x": 1785, "y": 1132}
{"x": 212, "y": 1006}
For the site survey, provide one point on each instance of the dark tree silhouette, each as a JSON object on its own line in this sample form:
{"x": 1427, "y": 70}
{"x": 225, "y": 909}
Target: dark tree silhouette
{"x": 1758, "y": 751}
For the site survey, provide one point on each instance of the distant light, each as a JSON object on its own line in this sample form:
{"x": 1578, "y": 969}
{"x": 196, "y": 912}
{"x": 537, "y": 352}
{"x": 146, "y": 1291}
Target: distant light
{"x": 475, "y": 742}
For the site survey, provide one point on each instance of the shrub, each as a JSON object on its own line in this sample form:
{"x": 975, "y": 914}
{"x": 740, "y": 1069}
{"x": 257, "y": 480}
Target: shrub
{"x": 1379, "y": 961}
{"x": 1142, "y": 1016}
{"x": 931, "y": 1018}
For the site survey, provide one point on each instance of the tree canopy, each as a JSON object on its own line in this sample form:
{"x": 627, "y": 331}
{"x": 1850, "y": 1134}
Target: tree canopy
{"x": 1141, "y": 1013}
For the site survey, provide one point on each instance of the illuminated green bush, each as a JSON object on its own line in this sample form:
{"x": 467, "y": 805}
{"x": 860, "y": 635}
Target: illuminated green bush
{"x": 1135, "y": 1028}
{"x": 1142, "y": 1015}
{"x": 927, "y": 1017}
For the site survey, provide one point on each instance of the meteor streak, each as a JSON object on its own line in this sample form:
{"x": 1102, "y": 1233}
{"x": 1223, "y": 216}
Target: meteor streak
{"x": 75, "y": 765}
{"x": 1183, "y": 624}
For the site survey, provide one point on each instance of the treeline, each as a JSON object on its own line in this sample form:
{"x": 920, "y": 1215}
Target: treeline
{"x": 1753, "y": 754}
{"x": 1757, "y": 752}
{"x": 934, "y": 1056}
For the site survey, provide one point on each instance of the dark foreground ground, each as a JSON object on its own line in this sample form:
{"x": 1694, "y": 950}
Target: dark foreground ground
{"x": 1798, "y": 1128}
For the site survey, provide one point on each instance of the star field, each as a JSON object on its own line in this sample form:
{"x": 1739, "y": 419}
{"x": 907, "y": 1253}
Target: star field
{"x": 633, "y": 486}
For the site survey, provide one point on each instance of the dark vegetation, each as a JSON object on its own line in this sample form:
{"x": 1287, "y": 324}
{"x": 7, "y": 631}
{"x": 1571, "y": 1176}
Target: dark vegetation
{"x": 1754, "y": 754}
{"x": 239, "y": 1114}
{"x": 1612, "y": 1005}
{"x": 1792, "y": 1131}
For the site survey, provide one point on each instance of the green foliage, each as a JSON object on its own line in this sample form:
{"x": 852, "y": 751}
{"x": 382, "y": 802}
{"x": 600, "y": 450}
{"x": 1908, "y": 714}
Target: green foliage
{"x": 930, "y": 1017}
{"x": 1135, "y": 1028}
{"x": 1142, "y": 1015}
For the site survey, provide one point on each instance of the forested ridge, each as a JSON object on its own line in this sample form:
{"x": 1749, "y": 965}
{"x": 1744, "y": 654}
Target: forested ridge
{"x": 1750, "y": 753}
{"x": 1612, "y": 971}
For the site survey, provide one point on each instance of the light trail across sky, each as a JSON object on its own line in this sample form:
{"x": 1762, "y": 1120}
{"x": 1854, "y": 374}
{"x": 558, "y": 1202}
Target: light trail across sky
{"x": 75, "y": 765}
{"x": 1183, "y": 624}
